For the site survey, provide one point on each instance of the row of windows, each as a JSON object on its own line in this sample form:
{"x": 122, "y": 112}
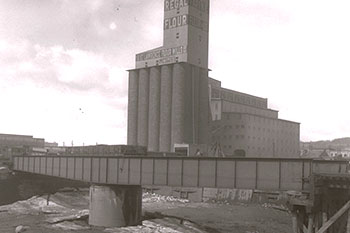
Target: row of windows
{"x": 263, "y": 139}
{"x": 266, "y": 121}
{"x": 264, "y": 149}
{"x": 238, "y": 108}
{"x": 17, "y": 139}
{"x": 243, "y": 99}
{"x": 268, "y": 130}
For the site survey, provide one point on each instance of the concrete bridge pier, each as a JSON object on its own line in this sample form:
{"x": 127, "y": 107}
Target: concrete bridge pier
{"x": 115, "y": 205}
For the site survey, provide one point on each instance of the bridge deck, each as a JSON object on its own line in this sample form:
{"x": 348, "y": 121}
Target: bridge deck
{"x": 241, "y": 173}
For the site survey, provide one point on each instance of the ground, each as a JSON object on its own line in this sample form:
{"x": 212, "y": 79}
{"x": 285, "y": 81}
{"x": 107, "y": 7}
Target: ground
{"x": 164, "y": 214}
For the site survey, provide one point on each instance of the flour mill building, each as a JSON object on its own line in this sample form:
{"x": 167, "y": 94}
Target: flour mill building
{"x": 173, "y": 102}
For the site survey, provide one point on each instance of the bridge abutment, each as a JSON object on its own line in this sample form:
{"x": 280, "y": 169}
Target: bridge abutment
{"x": 115, "y": 205}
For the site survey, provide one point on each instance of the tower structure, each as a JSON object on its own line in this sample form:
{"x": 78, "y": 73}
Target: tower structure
{"x": 168, "y": 89}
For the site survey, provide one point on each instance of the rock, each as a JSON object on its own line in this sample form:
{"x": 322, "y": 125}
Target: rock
{"x": 20, "y": 229}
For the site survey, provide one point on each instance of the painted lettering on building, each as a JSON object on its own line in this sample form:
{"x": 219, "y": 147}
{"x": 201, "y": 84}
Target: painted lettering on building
{"x": 183, "y": 20}
{"x": 161, "y": 53}
{"x": 167, "y": 60}
{"x": 175, "y": 22}
{"x": 201, "y": 5}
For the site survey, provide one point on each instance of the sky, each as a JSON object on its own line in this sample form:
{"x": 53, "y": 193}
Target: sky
{"x": 63, "y": 63}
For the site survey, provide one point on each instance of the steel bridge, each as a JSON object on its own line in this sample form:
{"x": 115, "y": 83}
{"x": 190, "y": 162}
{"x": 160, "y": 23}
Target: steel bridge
{"x": 238, "y": 173}
{"x": 268, "y": 174}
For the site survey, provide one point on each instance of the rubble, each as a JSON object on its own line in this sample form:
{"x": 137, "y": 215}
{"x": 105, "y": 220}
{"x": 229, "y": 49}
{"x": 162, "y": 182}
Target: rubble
{"x": 275, "y": 206}
{"x": 21, "y": 228}
{"x": 80, "y": 215}
{"x": 67, "y": 211}
{"x": 152, "y": 197}
{"x": 33, "y": 206}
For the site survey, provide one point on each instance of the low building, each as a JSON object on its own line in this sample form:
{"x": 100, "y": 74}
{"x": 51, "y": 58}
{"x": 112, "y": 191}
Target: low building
{"x": 12, "y": 144}
{"x": 12, "y": 140}
{"x": 340, "y": 154}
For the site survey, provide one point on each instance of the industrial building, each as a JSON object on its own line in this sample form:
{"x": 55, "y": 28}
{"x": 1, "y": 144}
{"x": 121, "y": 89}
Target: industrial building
{"x": 174, "y": 105}
{"x": 168, "y": 90}
{"x": 243, "y": 125}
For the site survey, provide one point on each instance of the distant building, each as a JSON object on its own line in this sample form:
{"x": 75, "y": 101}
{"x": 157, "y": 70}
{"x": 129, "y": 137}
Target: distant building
{"x": 340, "y": 154}
{"x": 51, "y": 145}
{"x": 315, "y": 153}
{"x": 11, "y": 144}
{"x": 244, "y": 126}
{"x": 12, "y": 140}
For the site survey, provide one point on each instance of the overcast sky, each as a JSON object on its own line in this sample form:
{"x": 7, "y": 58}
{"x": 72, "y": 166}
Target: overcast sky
{"x": 63, "y": 62}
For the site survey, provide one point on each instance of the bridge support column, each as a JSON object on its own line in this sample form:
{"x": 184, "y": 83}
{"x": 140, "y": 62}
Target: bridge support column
{"x": 115, "y": 205}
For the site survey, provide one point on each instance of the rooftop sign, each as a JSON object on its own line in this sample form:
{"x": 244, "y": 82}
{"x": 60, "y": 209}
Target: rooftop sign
{"x": 177, "y": 4}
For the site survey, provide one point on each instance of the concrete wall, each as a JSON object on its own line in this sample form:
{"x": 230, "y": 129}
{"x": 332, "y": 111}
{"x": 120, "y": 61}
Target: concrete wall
{"x": 133, "y": 107}
{"x": 178, "y": 104}
{"x": 168, "y": 105}
{"x": 143, "y": 98}
{"x": 165, "y": 108}
{"x": 154, "y": 109}
{"x": 203, "y": 107}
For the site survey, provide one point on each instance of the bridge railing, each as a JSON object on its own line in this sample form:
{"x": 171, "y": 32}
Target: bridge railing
{"x": 240, "y": 173}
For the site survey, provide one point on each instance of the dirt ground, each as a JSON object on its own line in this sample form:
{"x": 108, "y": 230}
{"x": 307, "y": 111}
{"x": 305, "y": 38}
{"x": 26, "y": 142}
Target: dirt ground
{"x": 237, "y": 218}
{"x": 210, "y": 217}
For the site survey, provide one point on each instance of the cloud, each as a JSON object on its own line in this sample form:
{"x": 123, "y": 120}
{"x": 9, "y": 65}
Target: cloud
{"x": 44, "y": 88}
{"x": 56, "y": 67}
{"x": 261, "y": 13}
{"x": 85, "y": 25}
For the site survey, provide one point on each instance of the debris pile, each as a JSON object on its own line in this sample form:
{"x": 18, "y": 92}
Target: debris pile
{"x": 164, "y": 225}
{"x": 56, "y": 215}
{"x": 275, "y": 206}
{"x": 153, "y": 197}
